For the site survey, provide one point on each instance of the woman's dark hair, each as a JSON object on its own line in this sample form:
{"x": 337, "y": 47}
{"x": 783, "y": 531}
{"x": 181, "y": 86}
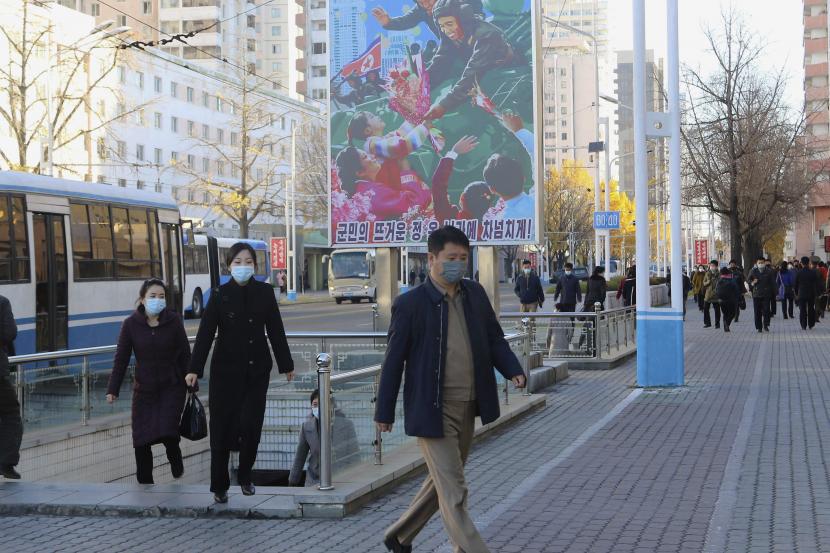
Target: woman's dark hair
{"x": 725, "y": 271}
{"x": 446, "y": 235}
{"x": 632, "y": 272}
{"x": 142, "y": 292}
{"x": 238, "y": 247}
{"x": 348, "y": 166}
{"x": 599, "y": 270}
{"x": 357, "y": 126}
{"x": 504, "y": 175}
{"x": 314, "y": 395}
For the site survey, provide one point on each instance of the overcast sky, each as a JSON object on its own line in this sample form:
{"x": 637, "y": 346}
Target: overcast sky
{"x": 778, "y": 22}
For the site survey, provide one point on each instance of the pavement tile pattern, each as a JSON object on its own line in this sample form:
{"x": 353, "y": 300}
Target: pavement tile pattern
{"x": 648, "y": 480}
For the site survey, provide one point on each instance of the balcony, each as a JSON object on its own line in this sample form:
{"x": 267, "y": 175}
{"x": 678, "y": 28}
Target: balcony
{"x": 814, "y": 45}
{"x": 300, "y": 65}
{"x": 301, "y": 43}
{"x": 815, "y": 22}
{"x": 816, "y": 93}
{"x": 818, "y": 118}
{"x": 302, "y": 87}
{"x": 811, "y": 3}
{"x": 816, "y": 70}
{"x": 300, "y": 20}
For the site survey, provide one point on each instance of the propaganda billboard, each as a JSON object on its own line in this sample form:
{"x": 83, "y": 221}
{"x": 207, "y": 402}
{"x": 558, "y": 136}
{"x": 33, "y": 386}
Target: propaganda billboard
{"x": 433, "y": 121}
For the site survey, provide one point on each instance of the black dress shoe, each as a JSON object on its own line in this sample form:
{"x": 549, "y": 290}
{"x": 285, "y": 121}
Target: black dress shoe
{"x": 392, "y": 544}
{"x": 9, "y": 472}
{"x": 220, "y": 497}
{"x": 177, "y": 468}
{"x": 248, "y": 489}
{"x": 766, "y": 329}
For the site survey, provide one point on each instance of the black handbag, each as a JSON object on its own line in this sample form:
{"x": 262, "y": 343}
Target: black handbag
{"x": 193, "y": 425}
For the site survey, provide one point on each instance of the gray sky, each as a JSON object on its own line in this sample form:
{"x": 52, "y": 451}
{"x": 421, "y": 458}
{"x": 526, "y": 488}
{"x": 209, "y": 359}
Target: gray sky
{"x": 777, "y": 22}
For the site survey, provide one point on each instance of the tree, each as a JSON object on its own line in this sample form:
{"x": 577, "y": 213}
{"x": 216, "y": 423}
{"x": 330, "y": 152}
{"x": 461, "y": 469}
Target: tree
{"x": 743, "y": 157}
{"x": 569, "y": 208}
{"x": 25, "y": 107}
{"x": 250, "y": 176}
{"x": 311, "y": 157}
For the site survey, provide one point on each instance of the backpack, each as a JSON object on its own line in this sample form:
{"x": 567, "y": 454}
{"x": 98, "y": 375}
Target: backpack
{"x": 724, "y": 290}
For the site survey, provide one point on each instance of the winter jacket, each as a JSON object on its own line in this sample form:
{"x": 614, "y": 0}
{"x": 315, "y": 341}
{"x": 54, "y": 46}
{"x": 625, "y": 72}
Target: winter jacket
{"x": 162, "y": 357}
{"x": 806, "y": 284}
{"x": 8, "y": 333}
{"x": 417, "y": 346}
{"x": 729, "y": 283}
{"x": 568, "y": 289}
{"x": 709, "y": 283}
{"x": 786, "y": 283}
{"x": 697, "y": 282}
{"x": 597, "y": 292}
{"x": 762, "y": 283}
{"x": 241, "y": 364}
{"x": 529, "y": 289}
{"x": 345, "y": 448}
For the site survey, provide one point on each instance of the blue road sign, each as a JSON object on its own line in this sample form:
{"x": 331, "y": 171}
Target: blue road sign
{"x": 606, "y": 220}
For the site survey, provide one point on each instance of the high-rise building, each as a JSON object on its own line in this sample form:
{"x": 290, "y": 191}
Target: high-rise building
{"x": 807, "y": 237}
{"x": 624, "y": 92}
{"x": 312, "y": 42}
{"x": 348, "y": 36}
{"x": 590, "y": 16}
{"x": 569, "y": 118}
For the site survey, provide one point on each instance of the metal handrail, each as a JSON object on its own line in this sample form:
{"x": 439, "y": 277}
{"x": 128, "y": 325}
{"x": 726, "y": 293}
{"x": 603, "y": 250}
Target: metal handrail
{"x": 96, "y": 350}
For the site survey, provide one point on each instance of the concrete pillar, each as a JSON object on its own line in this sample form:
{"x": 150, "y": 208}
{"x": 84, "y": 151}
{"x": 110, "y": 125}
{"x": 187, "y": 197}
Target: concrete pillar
{"x": 488, "y": 273}
{"x": 387, "y": 261}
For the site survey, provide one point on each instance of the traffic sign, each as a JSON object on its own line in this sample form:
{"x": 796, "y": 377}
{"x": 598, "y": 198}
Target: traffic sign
{"x": 606, "y": 220}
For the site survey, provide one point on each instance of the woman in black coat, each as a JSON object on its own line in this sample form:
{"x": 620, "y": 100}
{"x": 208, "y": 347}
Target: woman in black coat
{"x": 597, "y": 290}
{"x": 243, "y": 310}
{"x": 157, "y": 337}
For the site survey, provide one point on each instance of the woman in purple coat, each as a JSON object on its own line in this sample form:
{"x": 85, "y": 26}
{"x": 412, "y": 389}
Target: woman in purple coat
{"x": 157, "y": 337}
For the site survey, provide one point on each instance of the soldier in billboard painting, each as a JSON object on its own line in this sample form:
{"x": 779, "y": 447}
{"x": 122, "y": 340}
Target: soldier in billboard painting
{"x": 466, "y": 38}
{"x": 421, "y": 13}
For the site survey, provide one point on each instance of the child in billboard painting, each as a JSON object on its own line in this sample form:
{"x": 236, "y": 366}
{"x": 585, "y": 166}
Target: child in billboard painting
{"x": 360, "y": 174}
{"x": 475, "y": 199}
{"x": 505, "y": 177}
{"x": 366, "y": 131}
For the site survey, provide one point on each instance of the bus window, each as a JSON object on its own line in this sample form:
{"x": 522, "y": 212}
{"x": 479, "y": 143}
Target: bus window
{"x": 262, "y": 263}
{"x": 195, "y": 260}
{"x": 14, "y": 247}
{"x": 349, "y": 265}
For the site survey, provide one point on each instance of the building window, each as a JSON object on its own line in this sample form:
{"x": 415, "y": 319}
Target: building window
{"x": 139, "y": 185}
{"x": 275, "y": 12}
{"x": 276, "y": 30}
{"x": 140, "y": 80}
{"x": 147, "y": 8}
{"x": 220, "y": 168}
{"x": 96, "y": 10}
{"x": 122, "y": 20}
{"x": 563, "y": 110}
{"x": 157, "y": 120}
{"x": 114, "y": 242}
{"x": 318, "y": 71}
{"x": 564, "y": 136}
{"x": 563, "y": 72}
{"x": 206, "y": 132}
{"x": 14, "y": 245}
{"x": 121, "y": 148}
{"x": 101, "y": 179}
{"x": 319, "y": 93}
{"x": 251, "y": 22}
{"x": 122, "y": 183}
{"x": 318, "y": 25}
{"x": 157, "y": 84}
{"x": 220, "y": 136}
{"x": 122, "y": 74}
{"x": 318, "y": 48}
{"x": 174, "y": 158}
{"x": 276, "y": 48}
{"x": 190, "y": 93}
{"x": 564, "y": 123}
{"x": 174, "y": 89}
{"x": 191, "y": 161}
{"x": 139, "y": 152}
{"x": 564, "y": 84}
{"x": 174, "y": 124}
{"x": 191, "y": 129}
{"x": 205, "y": 165}
{"x": 234, "y": 138}
{"x": 157, "y": 156}
{"x": 218, "y": 103}
{"x": 158, "y": 187}
{"x": 206, "y": 99}
{"x": 276, "y": 66}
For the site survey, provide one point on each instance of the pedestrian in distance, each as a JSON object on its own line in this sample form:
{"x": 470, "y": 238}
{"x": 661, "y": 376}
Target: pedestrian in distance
{"x": 345, "y": 447}
{"x": 740, "y": 280}
{"x": 627, "y": 290}
{"x": 243, "y": 311}
{"x": 11, "y": 423}
{"x": 596, "y": 291}
{"x": 710, "y": 297}
{"x": 529, "y": 289}
{"x": 156, "y": 337}
{"x": 445, "y": 338}
{"x": 569, "y": 290}
{"x": 697, "y": 285}
{"x": 727, "y": 293}
{"x": 762, "y": 284}
{"x": 773, "y": 306}
{"x": 806, "y": 288}
{"x": 821, "y": 289}
{"x": 786, "y": 289}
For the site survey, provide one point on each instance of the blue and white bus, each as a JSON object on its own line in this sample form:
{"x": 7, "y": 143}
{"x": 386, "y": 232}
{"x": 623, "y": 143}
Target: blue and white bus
{"x": 73, "y": 256}
{"x": 205, "y": 268}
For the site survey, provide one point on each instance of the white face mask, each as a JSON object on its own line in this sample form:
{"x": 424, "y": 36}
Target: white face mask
{"x": 527, "y": 271}
{"x": 567, "y": 272}
{"x": 316, "y": 412}
{"x": 761, "y": 266}
{"x": 789, "y": 267}
{"x": 701, "y": 270}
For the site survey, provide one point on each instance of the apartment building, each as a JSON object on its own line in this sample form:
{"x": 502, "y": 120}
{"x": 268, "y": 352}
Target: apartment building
{"x": 312, "y": 42}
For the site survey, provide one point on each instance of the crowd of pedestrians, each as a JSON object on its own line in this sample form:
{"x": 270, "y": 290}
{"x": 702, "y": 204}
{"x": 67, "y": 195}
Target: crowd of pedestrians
{"x": 790, "y": 283}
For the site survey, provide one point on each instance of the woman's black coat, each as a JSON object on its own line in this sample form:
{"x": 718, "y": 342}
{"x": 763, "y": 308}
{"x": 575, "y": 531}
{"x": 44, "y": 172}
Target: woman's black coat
{"x": 241, "y": 366}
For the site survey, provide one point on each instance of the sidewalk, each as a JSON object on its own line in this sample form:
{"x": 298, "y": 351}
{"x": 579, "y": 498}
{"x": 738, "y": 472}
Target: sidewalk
{"x": 733, "y": 462}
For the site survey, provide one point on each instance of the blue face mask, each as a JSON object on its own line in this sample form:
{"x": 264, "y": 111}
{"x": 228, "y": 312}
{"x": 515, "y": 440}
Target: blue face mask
{"x": 154, "y": 306}
{"x": 453, "y": 271}
{"x": 242, "y": 273}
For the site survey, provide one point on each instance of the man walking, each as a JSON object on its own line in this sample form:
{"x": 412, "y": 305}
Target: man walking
{"x": 568, "y": 290}
{"x": 11, "y": 425}
{"x": 446, "y": 338}
{"x": 806, "y": 287}
{"x": 710, "y": 298}
{"x": 726, "y": 291}
{"x": 740, "y": 281}
{"x": 529, "y": 289}
{"x": 762, "y": 282}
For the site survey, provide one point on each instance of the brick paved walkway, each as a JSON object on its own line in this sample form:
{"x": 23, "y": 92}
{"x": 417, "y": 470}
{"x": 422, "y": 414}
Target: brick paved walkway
{"x": 735, "y": 461}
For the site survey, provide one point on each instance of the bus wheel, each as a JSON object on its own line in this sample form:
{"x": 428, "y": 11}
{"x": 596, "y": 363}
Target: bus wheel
{"x": 196, "y": 305}
{"x": 338, "y": 300}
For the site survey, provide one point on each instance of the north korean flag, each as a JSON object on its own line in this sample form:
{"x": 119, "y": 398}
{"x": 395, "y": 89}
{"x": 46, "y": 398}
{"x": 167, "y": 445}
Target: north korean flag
{"x": 367, "y": 62}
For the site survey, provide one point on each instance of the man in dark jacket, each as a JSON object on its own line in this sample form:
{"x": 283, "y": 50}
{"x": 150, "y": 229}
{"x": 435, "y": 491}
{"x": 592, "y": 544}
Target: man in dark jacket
{"x": 762, "y": 281}
{"x": 568, "y": 290}
{"x": 726, "y": 292}
{"x": 529, "y": 289}
{"x": 740, "y": 281}
{"x": 11, "y": 425}
{"x": 806, "y": 288}
{"x": 448, "y": 382}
